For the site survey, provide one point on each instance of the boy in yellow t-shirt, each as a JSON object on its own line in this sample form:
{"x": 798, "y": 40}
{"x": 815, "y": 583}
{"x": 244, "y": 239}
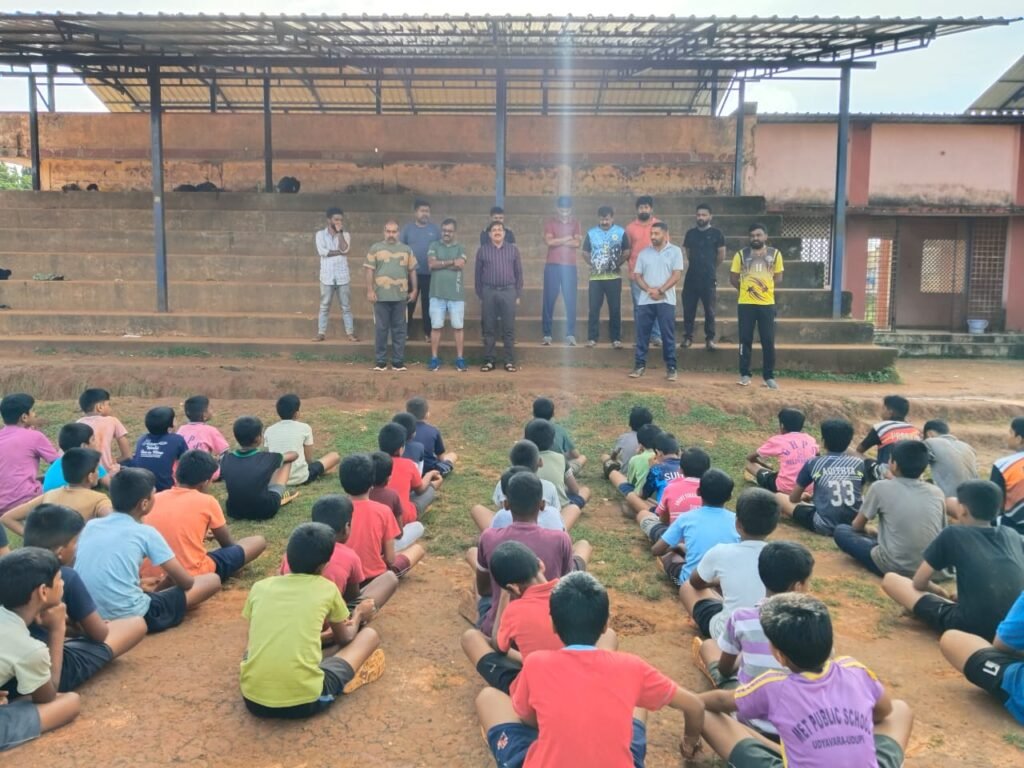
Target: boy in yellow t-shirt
{"x": 756, "y": 272}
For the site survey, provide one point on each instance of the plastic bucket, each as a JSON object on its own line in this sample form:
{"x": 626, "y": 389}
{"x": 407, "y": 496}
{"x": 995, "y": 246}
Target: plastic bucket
{"x": 977, "y": 325}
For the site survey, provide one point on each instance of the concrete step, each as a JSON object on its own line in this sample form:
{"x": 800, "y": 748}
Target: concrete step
{"x": 953, "y": 345}
{"x": 302, "y": 324}
{"x": 800, "y": 357}
{"x": 285, "y": 297}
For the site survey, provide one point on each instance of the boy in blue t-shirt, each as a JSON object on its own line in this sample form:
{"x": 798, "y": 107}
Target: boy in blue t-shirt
{"x": 429, "y": 436}
{"x": 159, "y": 450}
{"x": 688, "y": 539}
{"x": 73, "y": 435}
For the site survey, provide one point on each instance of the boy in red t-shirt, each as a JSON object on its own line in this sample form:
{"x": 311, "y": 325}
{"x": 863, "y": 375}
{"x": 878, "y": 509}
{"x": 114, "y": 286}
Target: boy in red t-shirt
{"x": 523, "y": 622}
{"x": 582, "y": 705}
{"x": 374, "y": 528}
{"x": 416, "y": 491}
{"x": 382, "y": 494}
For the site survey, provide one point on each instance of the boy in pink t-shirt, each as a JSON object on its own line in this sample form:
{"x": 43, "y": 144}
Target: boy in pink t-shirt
{"x": 95, "y": 404}
{"x": 21, "y": 448}
{"x": 200, "y": 436}
{"x": 792, "y": 447}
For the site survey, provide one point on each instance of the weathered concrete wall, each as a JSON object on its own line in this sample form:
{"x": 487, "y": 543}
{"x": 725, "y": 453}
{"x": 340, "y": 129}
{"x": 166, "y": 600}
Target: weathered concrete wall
{"x": 792, "y": 163}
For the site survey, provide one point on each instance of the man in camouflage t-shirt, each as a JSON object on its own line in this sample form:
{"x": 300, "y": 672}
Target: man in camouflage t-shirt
{"x": 390, "y": 285}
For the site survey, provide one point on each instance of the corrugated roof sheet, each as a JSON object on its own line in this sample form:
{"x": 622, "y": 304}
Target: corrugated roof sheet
{"x": 1005, "y": 94}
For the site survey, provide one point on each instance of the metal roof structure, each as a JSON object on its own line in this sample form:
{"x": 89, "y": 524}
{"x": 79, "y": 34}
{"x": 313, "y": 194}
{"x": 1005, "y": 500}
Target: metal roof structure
{"x": 391, "y": 64}
{"x": 1005, "y": 96}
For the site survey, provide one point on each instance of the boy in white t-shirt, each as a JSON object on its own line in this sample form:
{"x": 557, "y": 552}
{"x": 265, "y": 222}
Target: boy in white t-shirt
{"x": 290, "y": 434}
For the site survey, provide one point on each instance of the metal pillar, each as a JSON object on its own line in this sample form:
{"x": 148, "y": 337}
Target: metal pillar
{"x": 213, "y": 94}
{"x": 33, "y": 131}
{"x": 268, "y": 140}
{"x": 157, "y": 148}
{"x": 500, "y": 136}
{"x": 51, "y": 96}
{"x": 839, "y": 211}
{"x": 714, "y": 93}
{"x": 737, "y": 174}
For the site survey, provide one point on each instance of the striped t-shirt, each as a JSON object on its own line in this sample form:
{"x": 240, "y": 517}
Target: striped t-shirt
{"x": 744, "y": 637}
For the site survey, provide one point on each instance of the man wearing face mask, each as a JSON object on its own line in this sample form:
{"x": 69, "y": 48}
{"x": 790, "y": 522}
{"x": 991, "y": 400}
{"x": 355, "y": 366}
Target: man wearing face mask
{"x": 638, "y": 232}
{"x": 756, "y": 272}
{"x": 704, "y": 247}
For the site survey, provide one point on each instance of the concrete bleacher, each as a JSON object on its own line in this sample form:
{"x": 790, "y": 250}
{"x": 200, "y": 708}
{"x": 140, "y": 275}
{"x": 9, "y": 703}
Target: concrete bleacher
{"x": 243, "y": 278}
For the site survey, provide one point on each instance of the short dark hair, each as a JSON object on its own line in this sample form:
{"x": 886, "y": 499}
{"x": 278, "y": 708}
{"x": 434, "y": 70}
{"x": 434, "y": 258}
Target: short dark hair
{"x": 715, "y": 487}
{"x": 418, "y": 407}
{"x": 450, "y": 221}
{"x": 247, "y": 430}
{"x": 494, "y": 224}
{"x": 496, "y": 209}
{"x": 511, "y": 472}
{"x": 781, "y": 564}
{"x": 334, "y": 511}
{"x": 983, "y": 498}
{"x": 22, "y": 572}
{"x": 666, "y": 443}
{"x": 938, "y": 426}
{"x": 74, "y": 435}
{"x": 757, "y": 511}
{"x": 544, "y": 408}
{"x": 660, "y": 225}
{"x": 605, "y": 210}
{"x": 288, "y": 405}
{"x": 647, "y": 435}
{"x": 541, "y": 433}
{"x": 13, "y": 407}
{"x": 791, "y": 420}
{"x": 897, "y": 405}
{"x": 391, "y": 438}
{"x": 356, "y": 473}
{"x": 524, "y": 495}
{"x": 513, "y": 563}
{"x": 309, "y": 547}
{"x": 525, "y": 454}
{"x": 638, "y": 416}
{"x": 196, "y": 406}
{"x": 645, "y": 200}
{"x": 159, "y": 420}
{"x": 800, "y": 627}
{"x": 92, "y": 397}
{"x": 195, "y": 468}
{"x": 1017, "y": 425}
{"x": 77, "y": 463}
{"x": 694, "y": 462}
{"x": 130, "y": 486}
{"x": 912, "y": 457}
{"x": 334, "y": 212}
{"x": 757, "y": 225}
{"x": 579, "y": 608}
{"x": 836, "y": 434}
{"x": 52, "y": 525}
{"x": 383, "y": 464}
{"x": 407, "y": 421}
{"x": 703, "y": 207}
{"x": 419, "y": 202}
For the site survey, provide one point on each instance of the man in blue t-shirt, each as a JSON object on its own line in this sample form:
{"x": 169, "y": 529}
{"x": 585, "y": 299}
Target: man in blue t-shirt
{"x": 418, "y": 234}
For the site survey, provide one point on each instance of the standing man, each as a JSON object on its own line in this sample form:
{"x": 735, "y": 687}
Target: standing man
{"x": 447, "y": 260}
{"x": 658, "y": 269}
{"x": 639, "y": 233}
{"x": 333, "y": 243}
{"x": 563, "y": 236}
{"x": 390, "y": 285}
{"x": 705, "y": 252}
{"x": 604, "y": 250}
{"x": 499, "y": 285}
{"x": 756, "y": 272}
{"x": 418, "y": 234}
{"x": 497, "y": 215}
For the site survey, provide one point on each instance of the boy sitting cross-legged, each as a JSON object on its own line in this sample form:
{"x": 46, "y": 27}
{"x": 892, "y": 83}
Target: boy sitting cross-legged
{"x": 680, "y": 495}
{"x": 627, "y": 445}
{"x": 1008, "y": 474}
{"x": 887, "y": 434}
{"x": 292, "y": 435}
{"x": 829, "y": 712}
{"x": 22, "y": 446}
{"x": 255, "y": 479}
{"x": 30, "y": 590}
{"x": 160, "y": 448}
{"x": 95, "y": 642}
{"x": 185, "y": 514}
{"x": 523, "y": 621}
{"x": 110, "y": 432}
{"x": 381, "y": 492}
{"x": 544, "y": 408}
{"x": 582, "y": 706}
{"x": 111, "y": 550}
{"x": 792, "y": 446}
{"x": 73, "y": 435}
{"x": 416, "y": 491}
{"x": 661, "y": 470}
{"x": 553, "y": 466}
{"x": 284, "y": 673}
{"x": 434, "y": 454}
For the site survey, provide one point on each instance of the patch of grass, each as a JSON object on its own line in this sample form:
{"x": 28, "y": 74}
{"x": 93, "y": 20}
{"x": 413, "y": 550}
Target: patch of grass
{"x": 700, "y": 415}
{"x": 301, "y": 356}
{"x": 177, "y": 351}
{"x": 866, "y": 592}
{"x": 885, "y": 376}
{"x": 1014, "y": 740}
{"x": 46, "y": 351}
{"x": 622, "y": 562}
{"x": 250, "y": 354}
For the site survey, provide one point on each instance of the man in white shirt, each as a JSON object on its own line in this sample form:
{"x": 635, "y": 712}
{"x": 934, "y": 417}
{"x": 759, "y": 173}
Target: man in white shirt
{"x": 332, "y": 244}
{"x": 657, "y": 270}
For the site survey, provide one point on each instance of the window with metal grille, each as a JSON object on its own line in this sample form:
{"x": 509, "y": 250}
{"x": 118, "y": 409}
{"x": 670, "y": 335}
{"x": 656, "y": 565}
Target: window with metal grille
{"x": 988, "y": 257}
{"x": 883, "y": 246}
{"x": 943, "y": 266}
{"x": 815, "y": 233}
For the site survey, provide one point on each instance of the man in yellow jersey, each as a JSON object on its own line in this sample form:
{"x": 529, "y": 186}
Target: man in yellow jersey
{"x": 756, "y": 272}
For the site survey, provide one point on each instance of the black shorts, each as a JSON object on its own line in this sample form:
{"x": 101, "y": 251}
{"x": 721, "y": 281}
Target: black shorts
{"x": 575, "y": 498}
{"x": 938, "y": 614}
{"x": 498, "y": 670}
{"x": 166, "y": 609}
{"x": 337, "y": 674}
{"x": 82, "y": 659}
{"x": 986, "y": 669}
{"x": 673, "y": 565}
{"x": 443, "y": 467}
{"x": 766, "y": 479}
{"x": 803, "y": 514}
{"x": 227, "y": 560}
{"x": 316, "y": 471}
{"x": 703, "y": 612}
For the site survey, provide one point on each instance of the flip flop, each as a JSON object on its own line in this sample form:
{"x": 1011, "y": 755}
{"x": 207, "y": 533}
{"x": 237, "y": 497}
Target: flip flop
{"x": 510, "y": 367}
{"x": 371, "y": 671}
{"x": 289, "y": 498}
{"x": 487, "y": 367}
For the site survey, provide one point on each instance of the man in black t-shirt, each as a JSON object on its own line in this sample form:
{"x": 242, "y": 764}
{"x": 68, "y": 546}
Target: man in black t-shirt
{"x": 705, "y": 251}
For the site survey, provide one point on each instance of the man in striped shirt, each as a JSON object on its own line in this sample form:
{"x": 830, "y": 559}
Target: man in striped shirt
{"x": 1008, "y": 474}
{"x": 498, "y": 280}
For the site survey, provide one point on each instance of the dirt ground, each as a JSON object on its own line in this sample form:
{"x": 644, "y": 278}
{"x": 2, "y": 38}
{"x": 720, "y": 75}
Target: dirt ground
{"x": 175, "y": 700}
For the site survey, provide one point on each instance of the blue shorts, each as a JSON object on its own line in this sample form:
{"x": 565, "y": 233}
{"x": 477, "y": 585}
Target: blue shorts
{"x": 227, "y": 560}
{"x": 576, "y": 499}
{"x": 509, "y": 743}
{"x": 19, "y": 722}
{"x": 456, "y": 311}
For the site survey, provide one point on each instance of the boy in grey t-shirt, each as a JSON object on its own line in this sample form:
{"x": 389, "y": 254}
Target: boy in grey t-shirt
{"x": 910, "y": 514}
{"x": 952, "y": 460}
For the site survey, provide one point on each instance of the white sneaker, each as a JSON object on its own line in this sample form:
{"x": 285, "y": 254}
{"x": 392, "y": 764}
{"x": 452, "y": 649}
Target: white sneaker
{"x": 570, "y": 340}
{"x": 744, "y": 381}
{"x": 591, "y": 343}
{"x": 616, "y": 345}
{"x": 546, "y": 341}
{"x": 770, "y": 384}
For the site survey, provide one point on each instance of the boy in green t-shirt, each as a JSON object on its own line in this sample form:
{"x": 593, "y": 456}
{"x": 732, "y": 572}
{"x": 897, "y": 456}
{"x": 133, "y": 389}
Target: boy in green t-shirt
{"x": 284, "y": 673}
{"x": 447, "y": 260}
{"x": 390, "y": 285}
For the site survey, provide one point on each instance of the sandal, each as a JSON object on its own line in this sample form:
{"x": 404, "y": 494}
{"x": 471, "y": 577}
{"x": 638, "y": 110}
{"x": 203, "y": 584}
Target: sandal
{"x": 488, "y": 366}
{"x": 353, "y": 337}
{"x": 510, "y": 367}
{"x": 288, "y": 499}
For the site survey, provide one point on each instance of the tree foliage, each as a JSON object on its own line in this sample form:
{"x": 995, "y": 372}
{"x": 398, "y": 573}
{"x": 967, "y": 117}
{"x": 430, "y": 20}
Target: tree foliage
{"x": 13, "y": 177}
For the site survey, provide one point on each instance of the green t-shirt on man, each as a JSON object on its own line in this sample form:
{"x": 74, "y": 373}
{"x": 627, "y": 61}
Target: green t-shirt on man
{"x": 391, "y": 264}
{"x": 447, "y": 284}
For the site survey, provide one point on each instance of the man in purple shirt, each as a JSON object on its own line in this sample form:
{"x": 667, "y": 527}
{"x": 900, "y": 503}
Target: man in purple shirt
{"x": 21, "y": 448}
{"x": 498, "y": 281}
